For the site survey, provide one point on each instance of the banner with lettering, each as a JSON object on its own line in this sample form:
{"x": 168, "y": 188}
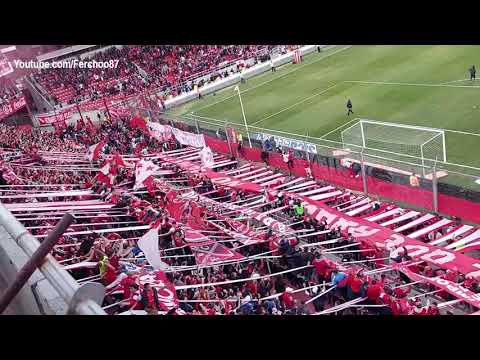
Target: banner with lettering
{"x": 189, "y": 139}
{"x": 374, "y": 234}
{"x": 287, "y": 142}
{"x": 446, "y": 285}
{"x": 54, "y": 117}
{"x": 12, "y": 107}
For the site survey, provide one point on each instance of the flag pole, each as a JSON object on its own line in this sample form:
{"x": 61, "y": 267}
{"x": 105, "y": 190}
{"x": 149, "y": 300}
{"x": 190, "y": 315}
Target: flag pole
{"x": 243, "y": 113}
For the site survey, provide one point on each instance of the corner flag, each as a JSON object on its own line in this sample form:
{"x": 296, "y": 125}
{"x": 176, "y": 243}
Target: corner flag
{"x": 236, "y": 88}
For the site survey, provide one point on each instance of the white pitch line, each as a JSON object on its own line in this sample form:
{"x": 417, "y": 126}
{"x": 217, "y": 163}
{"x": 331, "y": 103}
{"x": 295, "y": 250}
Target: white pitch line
{"x": 275, "y": 78}
{"x": 295, "y": 104}
{"x": 349, "y": 122}
{"x": 449, "y": 82}
{"x": 409, "y": 84}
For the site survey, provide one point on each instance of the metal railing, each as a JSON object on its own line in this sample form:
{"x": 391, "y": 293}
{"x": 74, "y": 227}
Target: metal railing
{"x": 79, "y": 298}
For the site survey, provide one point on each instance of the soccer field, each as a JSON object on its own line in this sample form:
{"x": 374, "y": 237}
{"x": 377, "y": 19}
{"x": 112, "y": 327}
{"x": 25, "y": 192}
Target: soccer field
{"x": 414, "y": 85}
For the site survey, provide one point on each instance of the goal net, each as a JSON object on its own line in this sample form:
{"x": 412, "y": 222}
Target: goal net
{"x": 405, "y": 147}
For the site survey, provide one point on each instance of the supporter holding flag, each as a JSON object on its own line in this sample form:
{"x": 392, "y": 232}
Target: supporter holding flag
{"x": 95, "y": 150}
{"x": 149, "y": 299}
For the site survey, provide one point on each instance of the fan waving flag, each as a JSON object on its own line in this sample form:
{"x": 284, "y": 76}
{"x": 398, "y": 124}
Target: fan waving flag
{"x": 143, "y": 170}
{"x": 148, "y": 243}
{"x": 94, "y": 150}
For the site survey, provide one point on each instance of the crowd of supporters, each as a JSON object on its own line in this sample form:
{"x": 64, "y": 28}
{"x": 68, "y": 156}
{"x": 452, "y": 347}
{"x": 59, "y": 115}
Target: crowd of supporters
{"x": 171, "y": 69}
{"x": 8, "y": 91}
{"x": 295, "y": 292}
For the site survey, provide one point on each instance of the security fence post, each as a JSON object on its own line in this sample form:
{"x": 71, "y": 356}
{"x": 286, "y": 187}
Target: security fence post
{"x": 228, "y": 138}
{"x": 364, "y": 173}
{"x": 435, "y": 188}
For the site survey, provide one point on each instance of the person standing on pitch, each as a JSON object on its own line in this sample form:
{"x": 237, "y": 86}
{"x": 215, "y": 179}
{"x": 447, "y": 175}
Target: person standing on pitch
{"x": 349, "y": 107}
{"x": 473, "y": 72}
{"x": 272, "y": 65}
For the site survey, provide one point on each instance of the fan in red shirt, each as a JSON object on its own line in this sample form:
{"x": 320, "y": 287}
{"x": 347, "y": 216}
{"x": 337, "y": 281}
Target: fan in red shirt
{"x": 127, "y": 283}
{"x": 354, "y": 282}
{"x": 433, "y": 309}
{"x": 373, "y": 292}
{"x": 287, "y": 298}
{"x": 401, "y": 292}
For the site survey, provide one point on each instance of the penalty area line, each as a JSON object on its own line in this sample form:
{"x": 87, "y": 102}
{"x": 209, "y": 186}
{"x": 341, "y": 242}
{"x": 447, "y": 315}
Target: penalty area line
{"x": 410, "y": 84}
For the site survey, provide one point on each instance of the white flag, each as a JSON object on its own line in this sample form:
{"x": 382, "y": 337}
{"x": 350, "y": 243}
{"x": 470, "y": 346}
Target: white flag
{"x": 236, "y": 88}
{"x": 148, "y": 243}
{"x": 206, "y": 157}
{"x": 142, "y": 171}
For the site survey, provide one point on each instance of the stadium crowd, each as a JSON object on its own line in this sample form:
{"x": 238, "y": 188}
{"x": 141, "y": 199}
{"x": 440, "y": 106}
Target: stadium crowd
{"x": 302, "y": 272}
{"x": 8, "y": 91}
{"x": 171, "y": 69}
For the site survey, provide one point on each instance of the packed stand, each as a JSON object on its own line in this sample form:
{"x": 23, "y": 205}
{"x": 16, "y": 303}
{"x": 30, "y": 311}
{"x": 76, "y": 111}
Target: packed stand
{"x": 249, "y": 287}
{"x": 168, "y": 67}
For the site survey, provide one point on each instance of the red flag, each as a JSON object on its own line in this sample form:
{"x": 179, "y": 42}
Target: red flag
{"x": 150, "y": 184}
{"x": 167, "y": 294}
{"x": 138, "y": 122}
{"x": 117, "y": 159}
{"x": 94, "y": 150}
{"x": 213, "y": 253}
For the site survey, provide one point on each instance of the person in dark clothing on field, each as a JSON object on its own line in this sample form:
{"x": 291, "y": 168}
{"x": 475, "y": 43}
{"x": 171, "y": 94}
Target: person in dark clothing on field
{"x": 473, "y": 72}
{"x": 349, "y": 107}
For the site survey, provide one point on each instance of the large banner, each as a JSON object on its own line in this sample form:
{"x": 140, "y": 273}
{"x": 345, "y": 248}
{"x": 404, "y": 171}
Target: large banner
{"x": 189, "y": 139}
{"x": 162, "y": 132}
{"x": 53, "y": 117}
{"x": 378, "y": 236}
{"x": 12, "y": 107}
{"x": 446, "y": 285}
{"x": 290, "y": 143}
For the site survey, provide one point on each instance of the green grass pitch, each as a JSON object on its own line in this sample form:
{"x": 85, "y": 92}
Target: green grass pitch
{"x": 414, "y": 85}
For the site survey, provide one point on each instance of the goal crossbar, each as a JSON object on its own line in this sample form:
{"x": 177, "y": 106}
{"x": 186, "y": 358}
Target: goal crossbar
{"x": 413, "y": 127}
{"x": 395, "y": 141}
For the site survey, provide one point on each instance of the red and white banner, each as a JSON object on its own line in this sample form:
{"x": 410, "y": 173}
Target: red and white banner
{"x": 118, "y": 112}
{"x": 242, "y": 232}
{"x": 94, "y": 151}
{"x": 189, "y": 139}
{"x": 164, "y": 132}
{"x": 12, "y": 107}
{"x": 363, "y": 230}
{"x": 446, "y": 285}
{"x": 159, "y": 131}
{"x": 213, "y": 253}
{"x": 53, "y": 117}
{"x": 167, "y": 295}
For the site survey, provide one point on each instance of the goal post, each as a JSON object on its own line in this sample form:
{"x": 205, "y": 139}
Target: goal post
{"x": 409, "y": 147}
